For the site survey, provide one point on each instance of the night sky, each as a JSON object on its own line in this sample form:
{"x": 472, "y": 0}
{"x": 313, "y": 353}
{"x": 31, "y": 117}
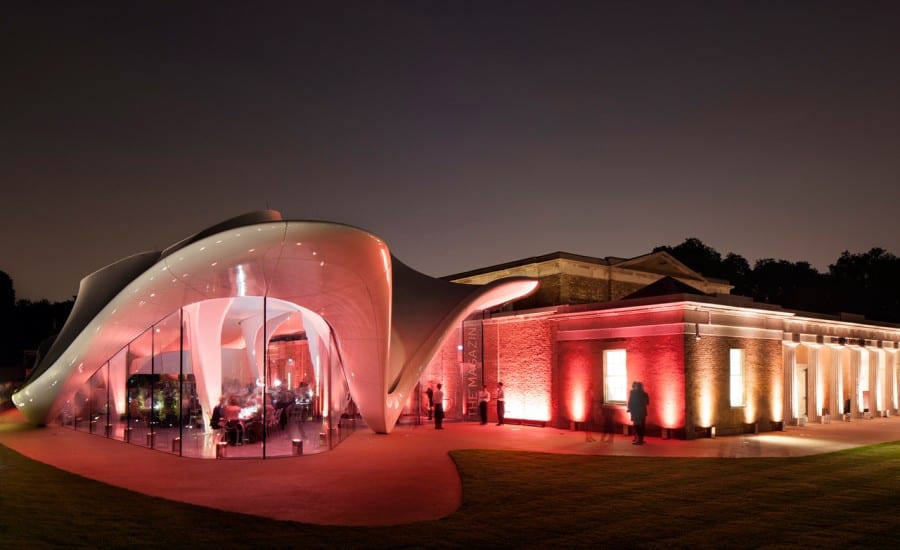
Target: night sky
{"x": 465, "y": 134}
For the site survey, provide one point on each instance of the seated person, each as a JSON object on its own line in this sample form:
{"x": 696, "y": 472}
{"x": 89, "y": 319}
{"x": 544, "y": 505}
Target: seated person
{"x": 233, "y": 409}
{"x": 218, "y": 414}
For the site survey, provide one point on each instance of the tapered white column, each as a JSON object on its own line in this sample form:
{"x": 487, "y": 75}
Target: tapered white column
{"x": 790, "y": 377}
{"x": 891, "y": 380}
{"x": 876, "y": 383}
{"x": 204, "y": 325}
{"x": 815, "y": 384}
{"x": 855, "y": 390}
{"x": 837, "y": 382}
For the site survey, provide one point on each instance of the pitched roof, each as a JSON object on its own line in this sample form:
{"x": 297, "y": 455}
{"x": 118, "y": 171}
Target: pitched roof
{"x": 665, "y": 287}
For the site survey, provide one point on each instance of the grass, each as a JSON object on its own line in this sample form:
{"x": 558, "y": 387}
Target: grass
{"x": 846, "y": 499}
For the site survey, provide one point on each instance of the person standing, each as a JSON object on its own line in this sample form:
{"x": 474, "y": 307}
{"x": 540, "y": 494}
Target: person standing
{"x": 484, "y": 397}
{"x": 439, "y": 408}
{"x": 429, "y": 393}
{"x": 638, "y": 401}
{"x": 501, "y": 404}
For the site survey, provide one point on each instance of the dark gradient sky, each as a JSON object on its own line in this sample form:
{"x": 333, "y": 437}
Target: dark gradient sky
{"x": 463, "y": 134}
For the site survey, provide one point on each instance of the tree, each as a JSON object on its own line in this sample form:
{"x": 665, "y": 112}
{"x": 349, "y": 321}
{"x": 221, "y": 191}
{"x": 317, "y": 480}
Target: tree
{"x": 7, "y": 311}
{"x": 696, "y": 255}
{"x": 792, "y": 285}
{"x": 867, "y": 283}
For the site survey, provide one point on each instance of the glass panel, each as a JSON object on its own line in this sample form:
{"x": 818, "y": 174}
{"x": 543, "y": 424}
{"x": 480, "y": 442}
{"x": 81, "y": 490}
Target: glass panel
{"x": 345, "y": 410}
{"x": 118, "y": 394}
{"x": 198, "y": 438}
{"x": 140, "y": 389}
{"x": 99, "y": 401}
{"x": 311, "y": 405}
{"x": 295, "y": 386}
{"x": 81, "y": 408}
{"x": 167, "y": 401}
{"x": 239, "y": 350}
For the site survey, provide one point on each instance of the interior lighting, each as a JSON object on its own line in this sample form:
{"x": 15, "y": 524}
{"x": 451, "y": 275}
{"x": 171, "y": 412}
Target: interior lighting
{"x": 241, "y": 280}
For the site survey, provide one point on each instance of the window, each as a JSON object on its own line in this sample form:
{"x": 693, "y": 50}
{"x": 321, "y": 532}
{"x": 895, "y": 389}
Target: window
{"x": 737, "y": 377}
{"x": 615, "y": 381}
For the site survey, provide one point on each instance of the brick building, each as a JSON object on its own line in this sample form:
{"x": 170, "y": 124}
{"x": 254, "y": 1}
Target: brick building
{"x": 712, "y": 363}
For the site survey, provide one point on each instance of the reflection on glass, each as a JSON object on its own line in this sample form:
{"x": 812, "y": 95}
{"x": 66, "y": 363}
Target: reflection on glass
{"x": 226, "y": 378}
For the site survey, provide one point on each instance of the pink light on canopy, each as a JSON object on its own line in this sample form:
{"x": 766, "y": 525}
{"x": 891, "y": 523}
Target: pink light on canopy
{"x": 387, "y": 319}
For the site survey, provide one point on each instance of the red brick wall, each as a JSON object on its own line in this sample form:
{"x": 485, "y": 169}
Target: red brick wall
{"x": 520, "y": 354}
{"x": 658, "y": 362}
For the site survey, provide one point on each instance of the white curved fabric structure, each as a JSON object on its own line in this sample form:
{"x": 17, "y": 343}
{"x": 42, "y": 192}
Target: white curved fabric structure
{"x": 385, "y": 319}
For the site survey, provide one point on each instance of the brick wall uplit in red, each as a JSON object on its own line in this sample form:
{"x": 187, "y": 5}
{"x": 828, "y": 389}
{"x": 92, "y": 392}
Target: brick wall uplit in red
{"x": 520, "y": 354}
{"x": 658, "y": 362}
{"x": 580, "y": 386}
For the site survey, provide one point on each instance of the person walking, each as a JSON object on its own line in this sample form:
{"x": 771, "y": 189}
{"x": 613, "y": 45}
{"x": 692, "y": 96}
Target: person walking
{"x": 439, "y": 407}
{"x": 501, "y": 404}
{"x": 638, "y": 401}
{"x": 484, "y": 397}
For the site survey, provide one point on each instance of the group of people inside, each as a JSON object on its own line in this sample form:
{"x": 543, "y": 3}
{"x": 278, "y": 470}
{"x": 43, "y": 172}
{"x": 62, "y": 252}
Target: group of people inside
{"x": 242, "y": 417}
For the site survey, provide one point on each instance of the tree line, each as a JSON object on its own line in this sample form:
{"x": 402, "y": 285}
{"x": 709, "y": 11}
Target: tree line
{"x": 25, "y": 325}
{"x": 865, "y": 283}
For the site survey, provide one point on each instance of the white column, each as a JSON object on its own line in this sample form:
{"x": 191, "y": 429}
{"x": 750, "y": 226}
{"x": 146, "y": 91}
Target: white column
{"x": 815, "y": 384}
{"x": 203, "y": 322}
{"x": 876, "y": 383}
{"x": 855, "y": 390}
{"x": 891, "y": 380}
{"x": 790, "y": 394}
{"x": 837, "y": 383}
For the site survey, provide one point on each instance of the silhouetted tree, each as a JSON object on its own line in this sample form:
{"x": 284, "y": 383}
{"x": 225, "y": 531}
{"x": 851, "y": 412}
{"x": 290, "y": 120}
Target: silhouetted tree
{"x": 7, "y": 310}
{"x": 696, "y": 255}
{"x": 867, "y": 283}
{"x": 788, "y": 284}
{"x": 736, "y": 270}
{"x": 25, "y": 325}
{"x": 857, "y": 283}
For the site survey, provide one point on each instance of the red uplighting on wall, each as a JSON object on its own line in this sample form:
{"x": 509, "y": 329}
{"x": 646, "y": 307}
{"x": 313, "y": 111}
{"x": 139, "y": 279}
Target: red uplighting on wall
{"x": 519, "y": 354}
{"x": 576, "y": 382}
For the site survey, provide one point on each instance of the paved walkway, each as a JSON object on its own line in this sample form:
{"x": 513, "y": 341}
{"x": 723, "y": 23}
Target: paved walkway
{"x": 375, "y": 479}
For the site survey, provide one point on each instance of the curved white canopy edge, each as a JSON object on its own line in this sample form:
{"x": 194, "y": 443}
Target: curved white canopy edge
{"x": 344, "y": 275}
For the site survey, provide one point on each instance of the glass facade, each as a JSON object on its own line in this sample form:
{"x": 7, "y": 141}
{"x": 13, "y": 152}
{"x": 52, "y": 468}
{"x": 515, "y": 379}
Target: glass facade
{"x": 264, "y": 381}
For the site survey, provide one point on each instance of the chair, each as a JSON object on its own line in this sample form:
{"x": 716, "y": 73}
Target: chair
{"x": 274, "y": 421}
{"x": 234, "y": 432}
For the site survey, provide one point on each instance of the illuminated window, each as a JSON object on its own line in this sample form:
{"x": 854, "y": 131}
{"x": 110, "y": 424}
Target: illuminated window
{"x": 737, "y": 377}
{"x": 615, "y": 380}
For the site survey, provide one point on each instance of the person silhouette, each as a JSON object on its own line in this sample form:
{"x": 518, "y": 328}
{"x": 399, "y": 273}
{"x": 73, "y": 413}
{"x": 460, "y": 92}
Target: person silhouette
{"x": 638, "y": 401}
{"x": 439, "y": 407}
{"x": 484, "y": 397}
{"x": 501, "y": 404}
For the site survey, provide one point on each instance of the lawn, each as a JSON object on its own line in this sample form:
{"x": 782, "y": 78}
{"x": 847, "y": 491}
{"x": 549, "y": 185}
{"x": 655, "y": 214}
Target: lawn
{"x": 845, "y": 499}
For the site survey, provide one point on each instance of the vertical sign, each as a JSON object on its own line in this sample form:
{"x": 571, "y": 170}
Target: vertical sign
{"x": 472, "y": 365}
